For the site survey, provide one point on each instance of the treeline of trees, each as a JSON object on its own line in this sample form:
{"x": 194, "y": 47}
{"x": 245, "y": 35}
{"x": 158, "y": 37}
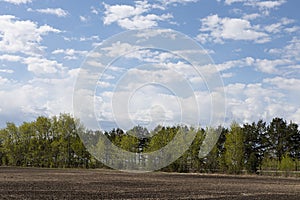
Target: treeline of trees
{"x": 45, "y": 142}
{"x": 54, "y": 142}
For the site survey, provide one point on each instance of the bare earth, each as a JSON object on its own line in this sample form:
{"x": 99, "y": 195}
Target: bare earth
{"x": 32, "y": 183}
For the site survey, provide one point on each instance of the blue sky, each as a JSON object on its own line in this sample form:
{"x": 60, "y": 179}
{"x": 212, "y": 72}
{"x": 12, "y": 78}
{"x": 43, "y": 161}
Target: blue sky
{"x": 255, "y": 46}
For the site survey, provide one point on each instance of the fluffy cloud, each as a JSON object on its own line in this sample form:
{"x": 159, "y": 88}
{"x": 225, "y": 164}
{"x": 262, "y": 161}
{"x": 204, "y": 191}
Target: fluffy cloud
{"x": 3, "y": 81}
{"x": 35, "y": 64}
{"x": 17, "y": 2}
{"x": 271, "y": 66}
{"x": 9, "y": 71}
{"x": 83, "y": 18}
{"x": 263, "y": 6}
{"x": 290, "y": 51}
{"x": 39, "y": 96}
{"x": 290, "y": 84}
{"x": 251, "y": 16}
{"x": 216, "y": 29}
{"x": 276, "y": 66}
{"x": 244, "y": 62}
{"x": 59, "y": 12}
{"x": 18, "y": 36}
{"x": 279, "y": 27}
{"x": 70, "y": 54}
{"x": 166, "y": 2}
{"x": 42, "y": 66}
{"x": 250, "y": 102}
{"x": 133, "y": 17}
{"x": 10, "y": 58}
{"x": 256, "y": 3}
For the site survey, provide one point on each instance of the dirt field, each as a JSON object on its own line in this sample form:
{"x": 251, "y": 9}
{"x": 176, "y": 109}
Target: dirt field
{"x": 30, "y": 183}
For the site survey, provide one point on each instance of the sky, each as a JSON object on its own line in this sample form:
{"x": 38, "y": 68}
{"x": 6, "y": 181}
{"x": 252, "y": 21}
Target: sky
{"x": 253, "y": 45}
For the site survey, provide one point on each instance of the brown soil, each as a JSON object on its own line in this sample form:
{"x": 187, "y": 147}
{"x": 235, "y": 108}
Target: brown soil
{"x": 32, "y": 183}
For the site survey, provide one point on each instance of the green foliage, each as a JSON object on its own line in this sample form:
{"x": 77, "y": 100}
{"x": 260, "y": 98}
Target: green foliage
{"x": 55, "y": 142}
{"x": 287, "y": 163}
{"x": 255, "y": 143}
{"x": 46, "y": 142}
{"x": 234, "y": 149}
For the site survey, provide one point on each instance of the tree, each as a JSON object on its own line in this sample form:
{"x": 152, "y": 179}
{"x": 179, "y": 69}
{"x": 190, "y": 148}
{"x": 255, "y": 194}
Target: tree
{"x": 278, "y": 138}
{"x": 42, "y": 148}
{"x": 234, "y": 149}
{"x": 287, "y": 164}
{"x": 255, "y": 145}
{"x": 294, "y": 141}
{"x": 209, "y": 146}
{"x": 3, "y": 147}
{"x": 11, "y": 147}
{"x": 26, "y": 135}
{"x": 196, "y": 162}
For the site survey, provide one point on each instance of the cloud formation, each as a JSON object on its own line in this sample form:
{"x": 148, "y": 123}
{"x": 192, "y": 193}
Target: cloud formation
{"x": 59, "y": 12}
{"x": 217, "y": 29}
{"x": 22, "y": 36}
{"x": 17, "y": 2}
{"x": 133, "y": 17}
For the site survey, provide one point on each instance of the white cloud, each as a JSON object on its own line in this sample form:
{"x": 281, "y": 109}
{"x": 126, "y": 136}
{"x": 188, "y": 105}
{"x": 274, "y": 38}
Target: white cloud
{"x": 167, "y": 2}
{"x": 83, "y": 18}
{"x": 290, "y": 51}
{"x": 229, "y": 2}
{"x": 284, "y": 83}
{"x": 278, "y": 27}
{"x": 244, "y": 62}
{"x": 292, "y": 29}
{"x": 70, "y": 54}
{"x": 91, "y": 38}
{"x": 270, "y": 66}
{"x": 42, "y": 66}
{"x": 94, "y": 10}
{"x": 59, "y": 12}
{"x": 141, "y": 22}
{"x": 4, "y": 81}
{"x": 10, "y": 58}
{"x": 17, "y": 2}
{"x": 251, "y": 16}
{"x": 37, "y": 65}
{"x": 216, "y": 29}
{"x": 263, "y": 5}
{"x": 9, "y": 71}
{"x": 118, "y": 49}
{"x": 22, "y": 36}
{"x": 39, "y": 96}
{"x": 118, "y": 12}
{"x": 133, "y": 17}
{"x": 227, "y": 75}
{"x": 277, "y": 66}
{"x": 250, "y": 102}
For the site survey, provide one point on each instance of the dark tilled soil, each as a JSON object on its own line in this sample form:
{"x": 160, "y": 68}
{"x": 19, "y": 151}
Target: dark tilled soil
{"x": 32, "y": 183}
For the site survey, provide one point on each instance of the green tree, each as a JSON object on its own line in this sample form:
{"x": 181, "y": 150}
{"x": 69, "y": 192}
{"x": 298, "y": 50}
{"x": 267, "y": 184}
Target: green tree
{"x": 26, "y": 134}
{"x": 287, "y": 164}
{"x": 255, "y": 145}
{"x": 278, "y": 138}
{"x": 195, "y": 162}
{"x": 11, "y": 145}
{"x": 294, "y": 143}
{"x": 234, "y": 149}
{"x": 210, "y": 147}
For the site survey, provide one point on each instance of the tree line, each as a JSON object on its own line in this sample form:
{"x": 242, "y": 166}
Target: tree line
{"x": 54, "y": 142}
